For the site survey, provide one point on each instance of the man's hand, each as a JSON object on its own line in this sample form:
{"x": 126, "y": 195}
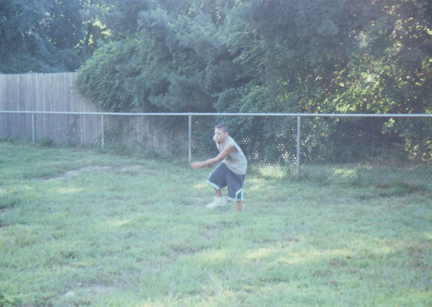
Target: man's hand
{"x": 220, "y": 157}
{"x": 196, "y": 165}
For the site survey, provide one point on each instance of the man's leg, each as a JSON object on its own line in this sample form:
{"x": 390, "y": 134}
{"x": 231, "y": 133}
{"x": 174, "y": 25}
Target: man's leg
{"x": 217, "y": 180}
{"x": 235, "y": 189}
{"x": 219, "y": 201}
{"x": 239, "y": 205}
{"x": 218, "y": 192}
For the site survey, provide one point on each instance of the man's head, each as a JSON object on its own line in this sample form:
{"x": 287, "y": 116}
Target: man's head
{"x": 221, "y": 132}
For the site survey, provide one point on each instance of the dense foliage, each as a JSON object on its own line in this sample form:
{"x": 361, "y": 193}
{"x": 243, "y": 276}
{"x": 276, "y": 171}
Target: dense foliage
{"x": 367, "y": 56}
{"x": 314, "y": 56}
{"x": 49, "y": 35}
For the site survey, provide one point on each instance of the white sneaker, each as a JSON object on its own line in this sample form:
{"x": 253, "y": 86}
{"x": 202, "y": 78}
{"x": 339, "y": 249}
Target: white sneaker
{"x": 218, "y": 202}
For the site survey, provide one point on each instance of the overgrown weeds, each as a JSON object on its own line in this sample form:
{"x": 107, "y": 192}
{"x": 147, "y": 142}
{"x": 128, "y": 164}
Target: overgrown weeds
{"x": 107, "y": 230}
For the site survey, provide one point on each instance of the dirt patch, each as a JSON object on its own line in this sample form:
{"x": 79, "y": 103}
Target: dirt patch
{"x": 97, "y": 289}
{"x": 130, "y": 168}
{"x": 91, "y": 169}
{"x": 77, "y": 172}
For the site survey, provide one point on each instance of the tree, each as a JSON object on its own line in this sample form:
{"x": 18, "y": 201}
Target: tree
{"x": 45, "y": 35}
{"x": 314, "y": 56}
{"x": 169, "y": 64}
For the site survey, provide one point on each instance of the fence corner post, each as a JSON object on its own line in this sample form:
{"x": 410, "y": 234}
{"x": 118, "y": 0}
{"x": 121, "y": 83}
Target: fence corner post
{"x": 33, "y": 128}
{"x": 190, "y": 138}
{"x": 298, "y": 143}
{"x": 102, "y": 131}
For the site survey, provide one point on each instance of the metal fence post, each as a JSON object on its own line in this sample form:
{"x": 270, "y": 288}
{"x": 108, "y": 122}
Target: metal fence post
{"x": 190, "y": 138}
{"x": 102, "y": 129}
{"x": 33, "y": 129}
{"x": 298, "y": 143}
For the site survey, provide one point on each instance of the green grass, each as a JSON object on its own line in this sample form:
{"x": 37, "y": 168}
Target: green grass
{"x": 79, "y": 228}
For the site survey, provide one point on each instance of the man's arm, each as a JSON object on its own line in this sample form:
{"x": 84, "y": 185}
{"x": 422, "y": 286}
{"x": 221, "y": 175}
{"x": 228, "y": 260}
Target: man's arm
{"x": 219, "y": 157}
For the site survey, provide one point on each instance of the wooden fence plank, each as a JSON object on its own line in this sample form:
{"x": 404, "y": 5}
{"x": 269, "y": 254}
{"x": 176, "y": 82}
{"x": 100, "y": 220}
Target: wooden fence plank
{"x": 44, "y": 92}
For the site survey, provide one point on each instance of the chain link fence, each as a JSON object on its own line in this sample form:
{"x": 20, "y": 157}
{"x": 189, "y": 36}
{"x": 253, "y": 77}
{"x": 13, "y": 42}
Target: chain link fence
{"x": 381, "y": 150}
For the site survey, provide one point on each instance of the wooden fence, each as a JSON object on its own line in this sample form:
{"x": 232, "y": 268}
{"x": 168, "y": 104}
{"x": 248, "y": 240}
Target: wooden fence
{"x": 55, "y": 92}
{"x": 42, "y": 92}
{"x": 46, "y": 92}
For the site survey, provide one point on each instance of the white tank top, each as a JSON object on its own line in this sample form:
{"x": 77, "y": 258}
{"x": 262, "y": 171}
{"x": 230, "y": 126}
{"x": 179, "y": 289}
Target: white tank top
{"x": 235, "y": 161}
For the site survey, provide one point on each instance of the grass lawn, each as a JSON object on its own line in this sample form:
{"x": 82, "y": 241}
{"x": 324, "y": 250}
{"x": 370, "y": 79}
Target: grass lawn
{"x": 80, "y": 228}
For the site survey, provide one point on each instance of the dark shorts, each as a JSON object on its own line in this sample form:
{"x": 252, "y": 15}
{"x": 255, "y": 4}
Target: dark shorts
{"x": 222, "y": 176}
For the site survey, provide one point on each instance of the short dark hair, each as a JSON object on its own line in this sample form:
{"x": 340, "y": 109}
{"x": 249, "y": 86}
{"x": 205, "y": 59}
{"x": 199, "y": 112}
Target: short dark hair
{"x": 223, "y": 127}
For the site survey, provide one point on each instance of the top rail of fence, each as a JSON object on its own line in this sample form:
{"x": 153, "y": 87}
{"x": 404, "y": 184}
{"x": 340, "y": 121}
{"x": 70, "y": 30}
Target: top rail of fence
{"x": 222, "y": 114}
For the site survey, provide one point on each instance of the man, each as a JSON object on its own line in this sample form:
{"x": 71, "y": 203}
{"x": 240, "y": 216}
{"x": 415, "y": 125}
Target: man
{"x": 231, "y": 172}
